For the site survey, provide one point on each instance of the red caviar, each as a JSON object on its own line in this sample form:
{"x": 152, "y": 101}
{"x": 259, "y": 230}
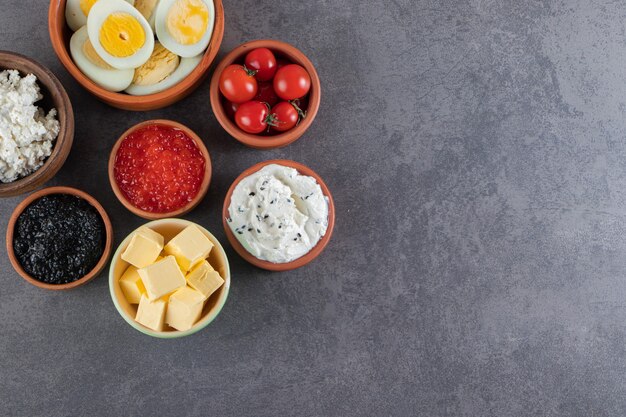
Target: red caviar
{"x": 159, "y": 169}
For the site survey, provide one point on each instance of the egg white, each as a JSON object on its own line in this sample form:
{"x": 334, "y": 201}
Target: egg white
{"x": 99, "y": 13}
{"x": 184, "y": 68}
{"x": 109, "y": 79}
{"x": 75, "y": 17}
{"x": 185, "y": 51}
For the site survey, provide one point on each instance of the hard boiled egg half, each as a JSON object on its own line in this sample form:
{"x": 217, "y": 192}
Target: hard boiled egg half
{"x": 120, "y": 34}
{"x": 76, "y": 12}
{"x": 163, "y": 70}
{"x": 185, "y": 26}
{"x": 90, "y": 63}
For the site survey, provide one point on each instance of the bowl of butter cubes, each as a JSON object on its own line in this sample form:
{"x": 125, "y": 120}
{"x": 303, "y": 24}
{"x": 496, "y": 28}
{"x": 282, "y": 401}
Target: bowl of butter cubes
{"x": 169, "y": 278}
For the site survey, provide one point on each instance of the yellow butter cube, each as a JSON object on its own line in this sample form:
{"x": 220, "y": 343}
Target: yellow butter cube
{"x": 144, "y": 230}
{"x": 190, "y": 247}
{"x": 204, "y": 279}
{"x": 162, "y": 278}
{"x": 151, "y": 313}
{"x": 144, "y": 248}
{"x": 184, "y": 308}
{"x": 131, "y": 285}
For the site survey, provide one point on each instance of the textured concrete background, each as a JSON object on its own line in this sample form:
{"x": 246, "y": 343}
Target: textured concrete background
{"x": 476, "y": 152}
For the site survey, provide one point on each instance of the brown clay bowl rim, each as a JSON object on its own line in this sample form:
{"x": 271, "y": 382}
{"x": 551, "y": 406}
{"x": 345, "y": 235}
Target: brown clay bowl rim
{"x": 282, "y": 139}
{"x": 204, "y": 187}
{"x": 56, "y": 25}
{"x": 60, "y": 190}
{"x": 65, "y": 115}
{"x": 309, "y": 256}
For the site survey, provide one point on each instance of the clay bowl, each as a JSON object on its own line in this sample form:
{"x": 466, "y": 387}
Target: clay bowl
{"x": 170, "y": 228}
{"x": 313, "y": 253}
{"x": 280, "y": 49}
{"x": 60, "y": 36}
{"x": 204, "y": 187}
{"x": 59, "y": 190}
{"x": 54, "y": 95}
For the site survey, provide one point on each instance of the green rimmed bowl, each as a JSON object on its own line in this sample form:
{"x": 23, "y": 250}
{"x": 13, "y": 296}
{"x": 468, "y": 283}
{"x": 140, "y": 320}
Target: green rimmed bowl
{"x": 170, "y": 228}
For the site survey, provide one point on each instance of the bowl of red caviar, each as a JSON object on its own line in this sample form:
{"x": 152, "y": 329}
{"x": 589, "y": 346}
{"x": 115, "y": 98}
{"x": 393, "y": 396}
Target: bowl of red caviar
{"x": 159, "y": 168}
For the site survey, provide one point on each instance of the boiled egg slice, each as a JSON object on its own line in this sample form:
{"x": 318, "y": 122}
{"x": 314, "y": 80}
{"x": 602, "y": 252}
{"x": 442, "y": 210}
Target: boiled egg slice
{"x": 163, "y": 70}
{"x": 185, "y": 26}
{"x": 148, "y": 9}
{"x": 120, "y": 34}
{"x": 89, "y": 62}
{"x": 76, "y": 12}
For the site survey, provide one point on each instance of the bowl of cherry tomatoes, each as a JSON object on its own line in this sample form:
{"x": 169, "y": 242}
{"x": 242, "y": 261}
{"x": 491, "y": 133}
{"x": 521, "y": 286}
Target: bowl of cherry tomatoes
{"x": 265, "y": 93}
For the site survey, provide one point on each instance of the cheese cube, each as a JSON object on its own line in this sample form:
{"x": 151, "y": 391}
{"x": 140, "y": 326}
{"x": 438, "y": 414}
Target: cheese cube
{"x": 162, "y": 278}
{"x": 144, "y": 230}
{"x": 151, "y": 313}
{"x": 190, "y": 247}
{"x": 131, "y": 285}
{"x": 204, "y": 279}
{"x": 184, "y": 308}
{"x": 144, "y": 248}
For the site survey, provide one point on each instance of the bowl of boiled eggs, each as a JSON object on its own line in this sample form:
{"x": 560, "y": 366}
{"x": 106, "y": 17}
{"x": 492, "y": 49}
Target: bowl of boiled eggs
{"x": 137, "y": 54}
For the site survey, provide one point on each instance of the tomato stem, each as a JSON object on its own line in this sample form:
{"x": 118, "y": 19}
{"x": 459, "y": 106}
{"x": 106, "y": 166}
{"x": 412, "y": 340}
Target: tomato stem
{"x": 249, "y": 71}
{"x": 272, "y": 120}
{"x": 296, "y": 104}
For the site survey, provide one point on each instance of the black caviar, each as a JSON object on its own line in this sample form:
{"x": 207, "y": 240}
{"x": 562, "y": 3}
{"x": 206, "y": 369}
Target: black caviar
{"x": 59, "y": 238}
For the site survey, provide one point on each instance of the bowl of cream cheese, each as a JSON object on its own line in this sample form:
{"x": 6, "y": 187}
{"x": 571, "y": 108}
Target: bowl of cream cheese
{"x": 279, "y": 215}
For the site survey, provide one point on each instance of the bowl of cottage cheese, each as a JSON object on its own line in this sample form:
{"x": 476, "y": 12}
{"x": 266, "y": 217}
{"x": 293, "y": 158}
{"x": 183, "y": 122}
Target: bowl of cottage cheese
{"x": 36, "y": 124}
{"x": 279, "y": 215}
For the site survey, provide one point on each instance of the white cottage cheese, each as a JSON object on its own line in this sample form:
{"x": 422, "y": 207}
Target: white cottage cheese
{"x": 277, "y": 214}
{"x": 26, "y": 133}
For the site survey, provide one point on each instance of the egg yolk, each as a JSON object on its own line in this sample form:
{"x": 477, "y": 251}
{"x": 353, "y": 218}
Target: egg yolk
{"x": 162, "y": 64}
{"x": 85, "y": 6}
{"x": 92, "y": 55}
{"x": 187, "y": 21}
{"x": 146, "y": 7}
{"x": 121, "y": 35}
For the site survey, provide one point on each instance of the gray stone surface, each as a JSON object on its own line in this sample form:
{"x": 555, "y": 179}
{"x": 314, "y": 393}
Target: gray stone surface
{"x": 476, "y": 153}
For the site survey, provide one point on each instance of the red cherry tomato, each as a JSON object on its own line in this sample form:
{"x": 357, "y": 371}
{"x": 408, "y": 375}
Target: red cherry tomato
{"x": 237, "y": 84}
{"x": 230, "y": 108}
{"x": 285, "y": 116}
{"x": 253, "y": 117}
{"x": 266, "y": 94}
{"x": 292, "y": 82}
{"x": 263, "y": 61}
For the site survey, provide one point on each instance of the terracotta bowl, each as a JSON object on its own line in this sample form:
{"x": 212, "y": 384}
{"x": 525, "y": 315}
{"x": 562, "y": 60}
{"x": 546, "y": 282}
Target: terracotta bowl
{"x": 60, "y": 36}
{"x": 54, "y": 95}
{"x": 204, "y": 187}
{"x": 281, "y": 49}
{"x": 313, "y": 253}
{"x": 59, "y": 190}
{"x": 170, "y": 228}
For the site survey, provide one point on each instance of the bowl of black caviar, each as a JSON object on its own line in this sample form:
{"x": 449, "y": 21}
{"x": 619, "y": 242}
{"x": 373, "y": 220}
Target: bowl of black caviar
{"x": 59, "y": 238}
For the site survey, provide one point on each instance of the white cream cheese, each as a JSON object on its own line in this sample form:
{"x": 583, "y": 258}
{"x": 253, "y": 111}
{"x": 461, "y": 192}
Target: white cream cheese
{"x": 277, "y": 214}
{"x": 26, "y": 133}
